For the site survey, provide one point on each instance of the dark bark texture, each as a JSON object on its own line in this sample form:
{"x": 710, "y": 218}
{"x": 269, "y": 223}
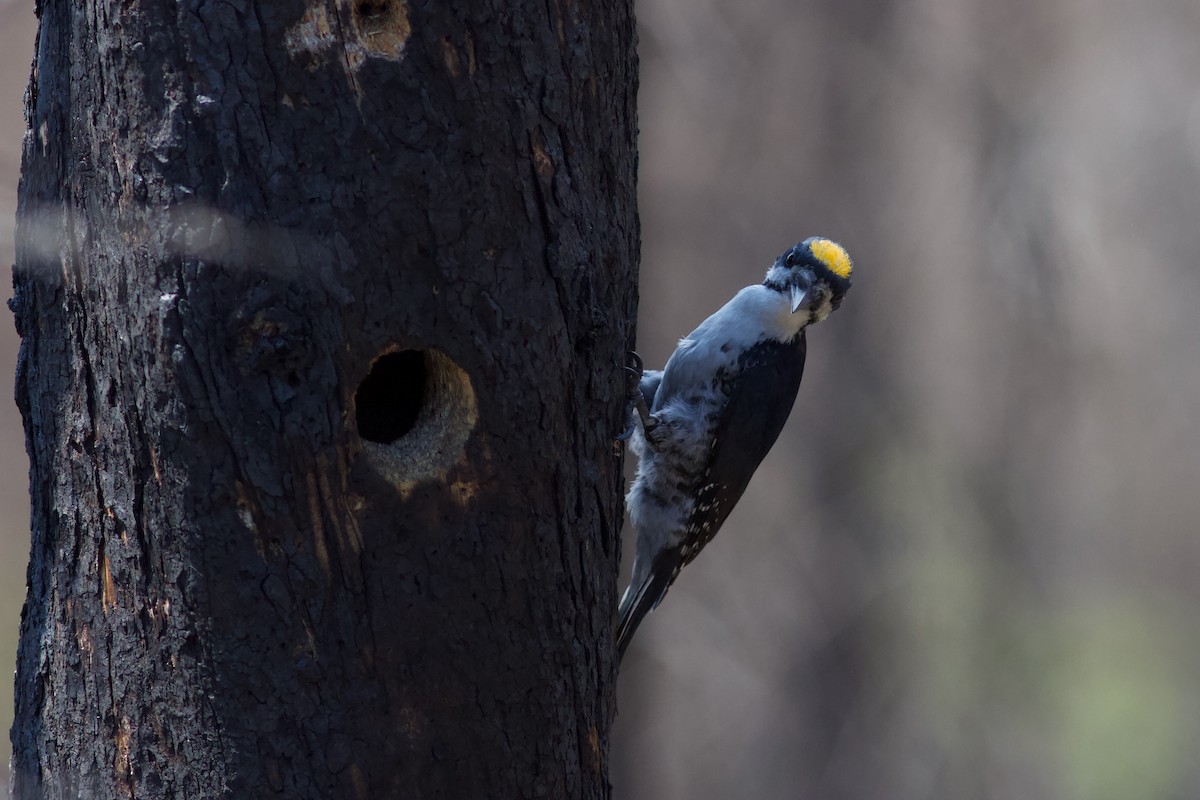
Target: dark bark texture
{"x": 324, "y": 305}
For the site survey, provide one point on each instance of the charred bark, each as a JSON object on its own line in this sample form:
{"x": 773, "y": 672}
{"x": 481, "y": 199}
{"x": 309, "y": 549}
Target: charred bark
{"x": 323, "y": 306}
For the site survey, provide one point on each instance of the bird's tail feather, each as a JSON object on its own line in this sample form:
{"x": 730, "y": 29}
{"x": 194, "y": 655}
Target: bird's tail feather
{"x": 640, "y": 601}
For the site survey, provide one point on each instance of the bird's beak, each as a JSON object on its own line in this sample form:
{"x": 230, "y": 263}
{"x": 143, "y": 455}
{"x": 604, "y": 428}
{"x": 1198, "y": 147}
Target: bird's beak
{"x": 800, "y": 293}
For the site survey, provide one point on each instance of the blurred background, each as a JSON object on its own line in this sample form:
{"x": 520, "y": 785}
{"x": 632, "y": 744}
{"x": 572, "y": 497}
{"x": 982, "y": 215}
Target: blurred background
{"x": 970, "y": 567}
{"x": 17, "y": 29}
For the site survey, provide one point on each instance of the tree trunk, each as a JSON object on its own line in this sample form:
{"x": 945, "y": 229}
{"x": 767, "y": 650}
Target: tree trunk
{"x": 324, "y": 306}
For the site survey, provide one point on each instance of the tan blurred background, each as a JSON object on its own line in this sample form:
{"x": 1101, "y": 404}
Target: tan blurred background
{"x": 17, "y": 28}
{"x": 970, "y": 568}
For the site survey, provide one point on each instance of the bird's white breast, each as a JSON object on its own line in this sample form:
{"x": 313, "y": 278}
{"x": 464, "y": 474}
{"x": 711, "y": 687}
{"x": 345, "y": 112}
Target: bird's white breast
{"x": 755, "y": 314}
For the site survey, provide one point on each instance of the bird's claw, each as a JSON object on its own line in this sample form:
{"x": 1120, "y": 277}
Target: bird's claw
{"x": 637, "y": 367}
{"x": 650, "y": 429}
{"x": 633, "y": 376}
{"x": 636, "y": 401}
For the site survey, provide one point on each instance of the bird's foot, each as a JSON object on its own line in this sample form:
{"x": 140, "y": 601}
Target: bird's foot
{"x": 633, "y": 379}
{"x": 637, "y": 402}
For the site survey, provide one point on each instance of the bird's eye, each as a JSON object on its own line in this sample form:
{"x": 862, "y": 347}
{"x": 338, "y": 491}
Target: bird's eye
{"x": 793, "y": 258}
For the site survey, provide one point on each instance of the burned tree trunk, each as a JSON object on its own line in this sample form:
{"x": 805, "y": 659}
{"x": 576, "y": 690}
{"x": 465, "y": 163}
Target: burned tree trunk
{"x": 323, "y": 307}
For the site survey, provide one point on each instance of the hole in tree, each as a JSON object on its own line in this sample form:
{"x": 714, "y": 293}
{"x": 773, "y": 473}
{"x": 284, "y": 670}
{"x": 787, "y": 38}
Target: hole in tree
{"x": 371, "y": 8}
{"x": 414, "y": 411}
{"x": 389, "y": 400}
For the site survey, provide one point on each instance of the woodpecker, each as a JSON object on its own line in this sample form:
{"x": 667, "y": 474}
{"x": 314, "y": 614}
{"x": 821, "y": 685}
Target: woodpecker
{"x": 705, "y": 421}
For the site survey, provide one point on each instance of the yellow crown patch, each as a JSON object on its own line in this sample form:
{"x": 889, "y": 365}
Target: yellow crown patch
{"x": 833, "y": 256}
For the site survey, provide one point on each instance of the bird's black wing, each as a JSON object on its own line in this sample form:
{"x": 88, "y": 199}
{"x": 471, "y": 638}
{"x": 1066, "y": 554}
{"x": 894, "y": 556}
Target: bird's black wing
{"x": 762, "y": 391}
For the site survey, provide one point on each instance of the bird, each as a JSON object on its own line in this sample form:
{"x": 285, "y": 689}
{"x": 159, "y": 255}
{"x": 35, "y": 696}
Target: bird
{"x": 701, "y": 426}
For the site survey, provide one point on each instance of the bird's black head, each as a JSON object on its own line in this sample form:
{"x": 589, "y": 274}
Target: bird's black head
{"x": 815, "y": 274}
